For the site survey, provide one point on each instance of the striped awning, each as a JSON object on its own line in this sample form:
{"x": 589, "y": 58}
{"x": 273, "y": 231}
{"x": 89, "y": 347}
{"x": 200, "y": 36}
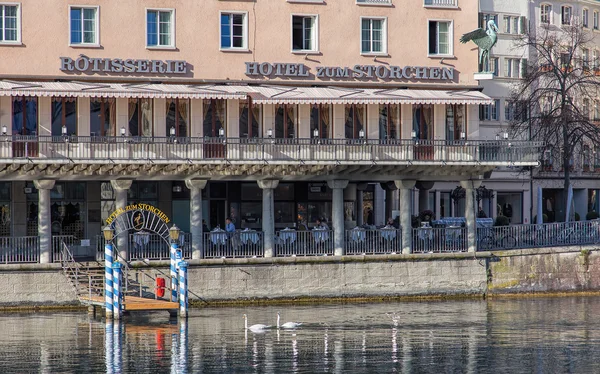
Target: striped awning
{"x": 124, "y": 90}
{"x": 262, "y": 94}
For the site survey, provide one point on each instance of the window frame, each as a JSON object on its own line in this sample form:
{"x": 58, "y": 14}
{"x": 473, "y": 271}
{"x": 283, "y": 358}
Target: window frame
{"x": 562, "y": 15}
{"x": 18, "y": 40}
{"x": 585, "y": 18}
{"x": 315, "y": 49}
{"x": 173, "y": 44}
{"x": 245, "y": 47}
{"x": 384, "y": 36}
{"x": 595, "y": 19}
{"x": 450, "y": 38}
{"x": 96, "y": 43}
{"x": 548, "y": 14}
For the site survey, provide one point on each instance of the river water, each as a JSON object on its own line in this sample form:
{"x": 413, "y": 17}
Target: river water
{"x": 536, "y": 335}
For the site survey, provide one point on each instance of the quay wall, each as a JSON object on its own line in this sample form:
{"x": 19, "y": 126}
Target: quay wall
{"x": 550, "y": 270}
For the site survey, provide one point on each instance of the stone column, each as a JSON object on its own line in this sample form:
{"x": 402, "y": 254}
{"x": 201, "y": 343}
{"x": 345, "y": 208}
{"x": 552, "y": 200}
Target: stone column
{"x": 44, "y": 219}
{"x": 359, "y": 208}
{"x": 196, "y": 186}
{"x": 337, "y": 218}
{"x": 471, "y": 224}
{"x": 424, "y": 187}
{"x": 121, "y": 186}
{"x": 268, "y": 217}
{"x": 406, "y": 187}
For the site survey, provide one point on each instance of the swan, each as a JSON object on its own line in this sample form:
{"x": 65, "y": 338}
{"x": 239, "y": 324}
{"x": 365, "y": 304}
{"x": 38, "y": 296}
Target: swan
{"x": 259, "y": 327}
{"x": 287, "y": 325}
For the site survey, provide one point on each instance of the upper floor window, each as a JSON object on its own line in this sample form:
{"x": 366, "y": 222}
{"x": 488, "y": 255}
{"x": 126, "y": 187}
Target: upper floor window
{"x": 64, "y": 116}
{"x": 234, "y": 31}
{"x": 389, "y": 121}
{"x": 484, "y": 18}
{"x": 491, "y": 65}
{"x": 456, "y": 120}
{"x": 489, "y": 112}
{"x": 320, "y": 120}
{"x": 24, "y": 115}
{"x": 84, "y": 25}
{"x": 355, "y": 119}
{"x": 566, "y": 13}
{"x": 178, "y": 117}
{"x": 585, "y": 18}
{"x": 103, "y": 116}
{"x": 512, "y": 68}
{"x": 545, "y": 13}
{"x": 511, "y": 25}
{"x": 140, "y": 113}
{"x": 440, "y": 37}
{"x": 9, "y": 24}
{"x": 160, "y": 26}
{"x": 595, "y": 20}
{"x": 373, "y": 35}
{"x": 304, "y": 33}
{"x": 250, "y": 119}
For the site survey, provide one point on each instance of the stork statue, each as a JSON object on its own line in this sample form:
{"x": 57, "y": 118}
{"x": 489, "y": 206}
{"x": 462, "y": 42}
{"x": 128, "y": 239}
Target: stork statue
{"x": 485, "y": 40}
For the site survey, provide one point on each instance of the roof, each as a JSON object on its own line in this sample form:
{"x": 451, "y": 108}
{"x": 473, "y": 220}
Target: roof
{"x": 263, "y": 94}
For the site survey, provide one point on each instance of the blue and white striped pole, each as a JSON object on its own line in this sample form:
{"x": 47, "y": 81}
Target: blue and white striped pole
{"x": 108, "y": 279}
{"x": 117, "y": 348}
{"x": 183, "y": 289}
{"x": 173, "y": 272}
{"x": 183, "y": 346}
{"x": 108, "y": 347}
{"x": 117, "y": 307}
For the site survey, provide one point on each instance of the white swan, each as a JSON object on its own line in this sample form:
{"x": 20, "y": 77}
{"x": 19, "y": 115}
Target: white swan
{"x": 259, "y": 327}
{"x": 287, "y": 325}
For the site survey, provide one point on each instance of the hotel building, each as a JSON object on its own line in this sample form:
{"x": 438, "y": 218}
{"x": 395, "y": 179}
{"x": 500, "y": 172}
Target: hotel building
{"x": 275, "y": 113}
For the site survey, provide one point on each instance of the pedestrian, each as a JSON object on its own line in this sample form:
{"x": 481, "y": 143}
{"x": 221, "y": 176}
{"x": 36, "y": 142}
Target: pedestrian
{"x": 229, "y": 226}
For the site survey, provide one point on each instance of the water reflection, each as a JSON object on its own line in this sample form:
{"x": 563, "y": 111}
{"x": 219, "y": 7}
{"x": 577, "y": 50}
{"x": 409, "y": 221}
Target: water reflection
{"x": 517, "y": 336}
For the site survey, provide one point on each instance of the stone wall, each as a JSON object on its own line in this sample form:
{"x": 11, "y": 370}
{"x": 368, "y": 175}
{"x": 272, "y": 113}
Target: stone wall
{"x": 545, "y": 270}
{"x": 26, "y": 285}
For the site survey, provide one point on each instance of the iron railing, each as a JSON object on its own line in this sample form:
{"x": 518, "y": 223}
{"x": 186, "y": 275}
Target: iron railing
{"x": 304, "y": 243}
{"x": 437, "y": 240}
{"x": 222, "y": 244}
{"x": 148, "y": 246}
{"x": 255, "y": 150}
{"x": 23, "y": 249}
{"x": 441, "y": 3}
{"x": 373, "y": 242}
{"x": 57, "y": 246}
{"x": 536, "y": 236}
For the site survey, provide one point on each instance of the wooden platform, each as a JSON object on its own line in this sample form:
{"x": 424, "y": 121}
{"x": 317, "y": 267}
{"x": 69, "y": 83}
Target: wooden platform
{"x": 133, "y": 303}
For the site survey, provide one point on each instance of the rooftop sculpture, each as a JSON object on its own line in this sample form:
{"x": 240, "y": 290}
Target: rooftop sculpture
{"x": 485, "y": 40}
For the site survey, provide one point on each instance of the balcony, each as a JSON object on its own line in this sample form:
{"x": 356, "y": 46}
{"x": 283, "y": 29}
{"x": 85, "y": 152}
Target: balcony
{"x": 147, "y": 155}
{"x": 440, "y": 3}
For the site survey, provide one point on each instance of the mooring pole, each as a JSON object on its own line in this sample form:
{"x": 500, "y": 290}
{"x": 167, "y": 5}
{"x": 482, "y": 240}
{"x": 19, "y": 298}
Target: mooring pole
{"x": 108, "y": 279}
{"x": 183, "y": 289}
{"x": 174, "y": 248}
{"x": 117, "y": 307}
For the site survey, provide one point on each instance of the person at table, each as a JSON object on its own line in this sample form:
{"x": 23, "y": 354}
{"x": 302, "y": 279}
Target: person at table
{"x": 205, "y": 226}
{"x": 318, "y": 224}
{"x": 390, "y": 222}
{"x": 229, "y": 226}
{"x": 370, "y": 217}
{"x": 324, "y": 225}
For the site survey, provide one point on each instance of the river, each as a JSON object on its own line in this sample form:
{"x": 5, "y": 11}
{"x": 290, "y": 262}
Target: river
{"x": 523, "y": 335}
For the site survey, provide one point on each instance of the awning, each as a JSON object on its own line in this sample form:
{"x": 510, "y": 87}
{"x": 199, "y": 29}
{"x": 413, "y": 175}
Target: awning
{"x": 262, "y": 94}
{"x": 124, "y": 90}
{"x": 339, "y": 95}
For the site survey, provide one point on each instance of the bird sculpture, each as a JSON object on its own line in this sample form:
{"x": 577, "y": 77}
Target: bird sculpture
{"x": 485, "y": 40}
{"x": 287, "y": 325}
{"x": 255, "y": 328}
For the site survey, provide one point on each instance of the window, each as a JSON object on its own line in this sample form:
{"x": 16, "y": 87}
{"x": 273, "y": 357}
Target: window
{"x": 178, "y": 114}
{"x": 566, "y": 13}
{"x": 585, "y": 58}
{"x": 373, "y": 35}
{"x": 512, "y": 67}
{"x": 595, "y": 59}
{"x": 440, "y": 38}
{"x": 595, "y": 20}
{"x": 355, "y": 115}
{"x": 484, "y": 18}
{"x": 545, "y": 13}
{"x": 511, "y": 25}
{"x": 24, "y": 115}
{"x": 250, "y": 119}
{"x": 64, "y": 116}
{"x": 585, "y": 110}
{"x": 389, "y": 121}
{"x": 422, "y": 121}
{"x": 140, "y": 117}
{"x": 103, "y": 116}
{"x": 320, "y": 120}
{"x": 492, "y": 65}
{"x": 515, "y": 111}
{"x": 234, "y": 31}
{"x": 596, "y": 110}
{"x": 285, "y": 120}
{"x": 585, "y": 18}
{"x": 10, "y": 31}
{"x": 160, "y": 26}
{"x": 456, "y": 120}
{"x": 214, "y": 117}
{"x": 304, "y": 33}
{"x": 84, "y": 26}
{"x": 489, "y": 112}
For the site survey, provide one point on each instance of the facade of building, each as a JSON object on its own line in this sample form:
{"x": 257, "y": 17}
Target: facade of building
{"x": 274, "y": 113}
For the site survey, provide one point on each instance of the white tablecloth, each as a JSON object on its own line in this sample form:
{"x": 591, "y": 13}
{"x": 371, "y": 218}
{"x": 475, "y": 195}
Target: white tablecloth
{"x": 249, "y": 236}
{"x": 320, "y": 235}
{"x": 141, "y": 238}
{"x": 218, "y": 236}
{"x": 358, "y": 234}
{"x": 287, "y": 235}
{"x": 426, "y": 234}
{"x": 453, "y": 234}
{"x": 388, "y": 233}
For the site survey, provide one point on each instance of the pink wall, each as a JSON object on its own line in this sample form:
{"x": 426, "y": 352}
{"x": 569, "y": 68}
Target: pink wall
{"x": 45, "y": 37}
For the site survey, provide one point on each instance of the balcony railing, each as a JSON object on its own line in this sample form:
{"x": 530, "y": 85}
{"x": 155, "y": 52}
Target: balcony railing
{"x": 374, "y": 2}
{"x": 22, "y": 249}
{"x": 88, "y": 149}
{"x": 436, "y": 240}
{"x": 304, "y": 243}
{"x": 441, "y": 3}
{"x": 373, "y": 242}
{"x": 222, "y": 244}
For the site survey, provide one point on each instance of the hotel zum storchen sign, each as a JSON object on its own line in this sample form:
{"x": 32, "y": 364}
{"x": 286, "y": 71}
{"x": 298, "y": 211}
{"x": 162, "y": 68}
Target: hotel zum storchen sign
{"x": 118, "y": 65}
{"x": 288, "y": 70}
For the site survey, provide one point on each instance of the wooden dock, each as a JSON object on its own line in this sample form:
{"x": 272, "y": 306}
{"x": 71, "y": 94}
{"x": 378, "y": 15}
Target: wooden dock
{"x": 133, "y": 303}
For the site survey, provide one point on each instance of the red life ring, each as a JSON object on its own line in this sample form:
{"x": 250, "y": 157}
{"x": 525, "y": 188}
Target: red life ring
{"x": 160, "y": 287}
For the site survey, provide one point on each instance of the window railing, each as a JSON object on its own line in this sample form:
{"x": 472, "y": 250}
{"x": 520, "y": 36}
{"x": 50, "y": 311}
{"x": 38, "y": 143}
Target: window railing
{"x": 135, "y": 150}
{"x": 441, "y": 3}
{"x": 374, "y": 2}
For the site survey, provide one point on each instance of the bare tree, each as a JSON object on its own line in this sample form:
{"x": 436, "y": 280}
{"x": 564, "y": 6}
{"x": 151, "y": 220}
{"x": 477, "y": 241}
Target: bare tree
{"x": 552, "y": 102}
